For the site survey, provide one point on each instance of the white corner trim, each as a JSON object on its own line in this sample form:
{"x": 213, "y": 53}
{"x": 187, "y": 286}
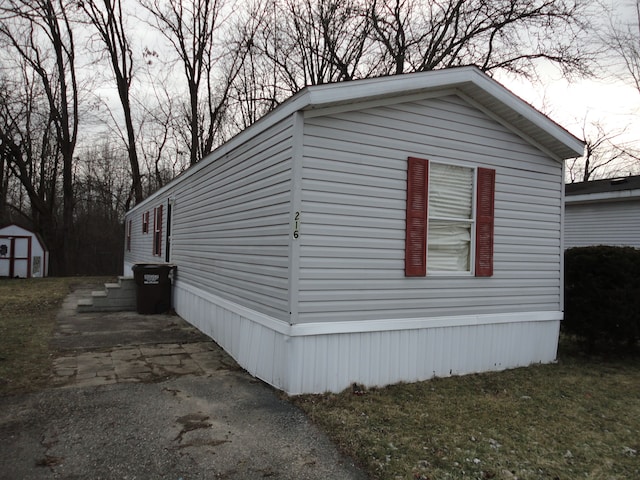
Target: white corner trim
{"x": 361, "y": 326}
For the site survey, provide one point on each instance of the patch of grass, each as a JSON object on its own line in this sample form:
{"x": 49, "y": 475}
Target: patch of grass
{"x": 28, "y": 310}
{"x": 579, "y": 418}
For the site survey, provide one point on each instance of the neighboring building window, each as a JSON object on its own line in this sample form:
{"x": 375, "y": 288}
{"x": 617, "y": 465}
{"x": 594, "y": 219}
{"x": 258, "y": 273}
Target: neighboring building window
{"x": 145, "y": 222}
{"x": 443, "y": 224}
{"x": 157, "y": 230}
{"x": 129, "y": 236}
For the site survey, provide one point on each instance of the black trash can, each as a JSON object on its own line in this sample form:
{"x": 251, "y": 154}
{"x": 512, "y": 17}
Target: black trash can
{"x": 153, "y": 287}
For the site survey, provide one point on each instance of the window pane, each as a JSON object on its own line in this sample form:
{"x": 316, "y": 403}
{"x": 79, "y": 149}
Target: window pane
{"x": 448, "y": 247}
{"x": 450, "y": 191}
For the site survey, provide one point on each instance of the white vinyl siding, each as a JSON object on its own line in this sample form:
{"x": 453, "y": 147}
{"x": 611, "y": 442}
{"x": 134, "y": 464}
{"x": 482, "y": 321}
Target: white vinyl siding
{"x": 354, "y": 201}
{"x": 602, "y": 223}
{"x": 230, "y": 224}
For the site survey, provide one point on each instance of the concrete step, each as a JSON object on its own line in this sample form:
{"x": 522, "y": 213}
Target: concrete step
{"x": 120, "y": 296}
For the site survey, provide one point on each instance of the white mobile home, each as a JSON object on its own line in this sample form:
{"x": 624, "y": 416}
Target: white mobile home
{"x": 374, "y": 231}
{"x": 603, "y": 212}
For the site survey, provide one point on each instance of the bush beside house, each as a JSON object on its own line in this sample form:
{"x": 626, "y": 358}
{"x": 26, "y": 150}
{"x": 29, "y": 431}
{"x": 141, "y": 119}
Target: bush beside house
{"x": 602, "y": 296}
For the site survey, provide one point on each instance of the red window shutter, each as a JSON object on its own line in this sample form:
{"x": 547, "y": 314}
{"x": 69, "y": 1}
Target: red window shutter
{"x": 155, "y": 220}
{"x": 415, "y": 255}
{"x": 129, "y": 236}
{"x": 484, "y": 221}
{"x": 157, "y": 230}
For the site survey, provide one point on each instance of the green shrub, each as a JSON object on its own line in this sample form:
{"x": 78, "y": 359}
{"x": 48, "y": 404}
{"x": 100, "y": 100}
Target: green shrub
{"x": 602, "y": 296}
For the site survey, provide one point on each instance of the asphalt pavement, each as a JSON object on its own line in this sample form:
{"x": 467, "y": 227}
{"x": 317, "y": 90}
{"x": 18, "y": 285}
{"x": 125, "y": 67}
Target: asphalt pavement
{"x": 150, "y": 397}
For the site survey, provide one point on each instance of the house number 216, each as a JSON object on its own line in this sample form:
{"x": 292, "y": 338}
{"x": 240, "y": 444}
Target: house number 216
{"x": 296, "y": 225}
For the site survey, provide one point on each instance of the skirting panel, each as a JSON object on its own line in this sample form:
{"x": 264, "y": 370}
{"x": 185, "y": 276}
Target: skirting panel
{"x": 298, "y": 360}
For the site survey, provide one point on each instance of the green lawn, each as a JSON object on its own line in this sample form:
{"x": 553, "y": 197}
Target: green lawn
{"x": 28, "y": 310}
{"x": 577, "y": 419}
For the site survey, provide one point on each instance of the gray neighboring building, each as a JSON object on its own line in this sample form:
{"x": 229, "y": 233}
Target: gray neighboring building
{"x": 374, "y": 231}
{"x": 603, "y": 212}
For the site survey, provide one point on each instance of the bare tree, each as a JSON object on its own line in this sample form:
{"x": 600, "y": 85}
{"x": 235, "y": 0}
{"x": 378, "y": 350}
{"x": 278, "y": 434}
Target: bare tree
{"x": 194, "y": 29}
{"x": 159, "y": 134}
{"x": 108, "y": 18}
{"x": 512, "y": 35}
{"x": 102, "y": 183}
{"x": 606, "y": 155}
{"x": 315, "y": 42}
{"x": 623, "y": 39}
{"x": 39, "y": 33}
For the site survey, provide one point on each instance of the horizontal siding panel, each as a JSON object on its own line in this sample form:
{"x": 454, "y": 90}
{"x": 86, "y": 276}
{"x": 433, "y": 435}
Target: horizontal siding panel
{"x": 434, "y": 148}
{"x": 377, "y": 163}
{"x": 231, "y": 228}
{"x": 607, "y": 223}
{"x": 268, "y": 301}
{"x": 420, "y": 312}
{"x": 442, "y": 126}
{"x": 397, "y": 123}
{"x": 440, "y": 287}
{"x": 531, "y": 193}
{"x": 360, "y": 211}
{"x": 390, "y": 307}
{"x": 358, "y": 196}
{"x": 208, "y": 197}
{"x": 353, "y": 215}
{"x": 250, "y": 259}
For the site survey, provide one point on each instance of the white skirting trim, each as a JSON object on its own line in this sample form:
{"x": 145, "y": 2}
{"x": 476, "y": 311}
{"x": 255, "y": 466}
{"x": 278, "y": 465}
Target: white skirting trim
{"x": 319, "y": 357}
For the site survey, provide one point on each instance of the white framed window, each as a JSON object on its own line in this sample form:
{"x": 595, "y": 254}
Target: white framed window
{"x": 450, "y": 218}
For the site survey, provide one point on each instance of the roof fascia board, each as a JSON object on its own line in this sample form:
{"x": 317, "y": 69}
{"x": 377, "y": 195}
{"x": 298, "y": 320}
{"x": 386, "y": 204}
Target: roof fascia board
{"x": 323, "y": 95}
{"x": 393, "y": 85}
{"x": 509, "y": 126}
{"x": 283, "y": 112}
{"x": 518, "y": 105}
{"x": 603, "y": 196}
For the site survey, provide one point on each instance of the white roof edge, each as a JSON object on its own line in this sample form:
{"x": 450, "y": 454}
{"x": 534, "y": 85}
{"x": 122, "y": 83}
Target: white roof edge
{"x": 599, "y": 196}
{"x": 532, "y": 114}
{"x": 317, "y": 96}
{"x": 322, "y": 95}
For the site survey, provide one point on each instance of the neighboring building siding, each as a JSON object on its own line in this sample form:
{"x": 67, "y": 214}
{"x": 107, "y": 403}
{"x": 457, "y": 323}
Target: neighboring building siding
{"x": 353, "y": 214}
{"x": 230, "y": 228}
{"x": 603, "y": 223}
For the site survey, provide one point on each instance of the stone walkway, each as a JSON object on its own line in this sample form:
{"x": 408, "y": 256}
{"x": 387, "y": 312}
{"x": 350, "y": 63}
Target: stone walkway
{"x": 116, "y": 347}
{"x": 138, "y": 363}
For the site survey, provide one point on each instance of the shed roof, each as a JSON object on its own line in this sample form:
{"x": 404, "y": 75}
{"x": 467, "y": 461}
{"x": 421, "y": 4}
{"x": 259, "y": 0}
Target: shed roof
{"x": 469, "y": 82}
{"x": 604, "y": 189}
{"x": 13, "y": 229}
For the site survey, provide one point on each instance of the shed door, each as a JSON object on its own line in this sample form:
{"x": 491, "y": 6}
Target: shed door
{"x": 15, "y": 257}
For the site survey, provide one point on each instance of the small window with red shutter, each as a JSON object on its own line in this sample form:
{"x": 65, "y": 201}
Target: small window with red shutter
{"x": 145, "y": 222}
{"x": 157, "y": 230}
{"x": 129, "y": 236}
{"x": 449, "y": 227}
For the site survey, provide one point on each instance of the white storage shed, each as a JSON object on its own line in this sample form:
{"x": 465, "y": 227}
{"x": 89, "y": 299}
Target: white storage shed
{"x": 375, "y": 231}
{"x": 22, "y": 253}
